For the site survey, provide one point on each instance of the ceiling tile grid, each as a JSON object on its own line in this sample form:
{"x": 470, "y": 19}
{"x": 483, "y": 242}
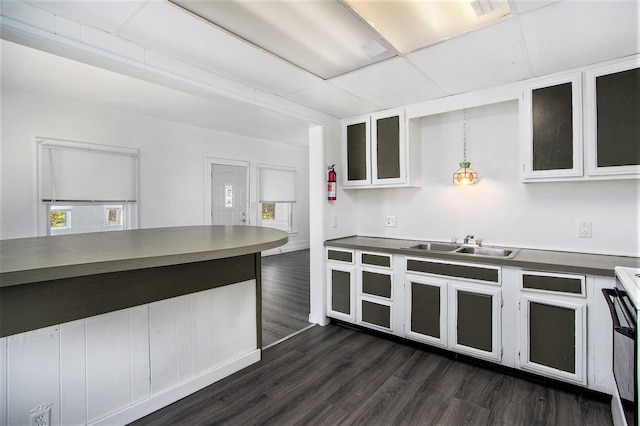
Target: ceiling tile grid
{"x": 389, "y": 84}
{"x": 487, "y": 57}
{"x": 570, "y": 34}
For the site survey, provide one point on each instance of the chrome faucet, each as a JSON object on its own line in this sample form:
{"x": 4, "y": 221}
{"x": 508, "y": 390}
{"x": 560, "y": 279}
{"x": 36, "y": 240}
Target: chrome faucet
{"x": 467, "y": 238}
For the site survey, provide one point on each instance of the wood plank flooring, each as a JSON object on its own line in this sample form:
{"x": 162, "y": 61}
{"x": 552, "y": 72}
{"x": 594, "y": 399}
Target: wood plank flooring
{"x": 285, "y": 295}
{"x": 336, "y": 375}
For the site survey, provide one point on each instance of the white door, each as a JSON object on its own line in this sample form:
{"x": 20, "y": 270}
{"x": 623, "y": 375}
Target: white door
{"x": 229, "y": 195}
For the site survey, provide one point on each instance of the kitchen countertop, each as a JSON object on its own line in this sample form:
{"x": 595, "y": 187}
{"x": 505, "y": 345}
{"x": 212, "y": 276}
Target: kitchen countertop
{"x": 29, "y": 260}
{"x": 547, "y": 260}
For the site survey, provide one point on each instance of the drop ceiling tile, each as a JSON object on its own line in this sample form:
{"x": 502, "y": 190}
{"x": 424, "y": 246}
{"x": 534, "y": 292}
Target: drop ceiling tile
{"x": 331, "y": 100}
{"x": 521, "y": 6}
{"x": 483, "y": 58}
{"x": 104, "y": 15}
{"x": 169, "y": 30}
{"x": 566, "y": 35}
{"x": 389, "y": 84}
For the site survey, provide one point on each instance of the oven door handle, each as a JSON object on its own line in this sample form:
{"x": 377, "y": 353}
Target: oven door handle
{"x": 629, "y": 332}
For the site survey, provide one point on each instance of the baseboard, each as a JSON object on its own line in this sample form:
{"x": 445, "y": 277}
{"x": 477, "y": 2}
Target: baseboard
{"x": 290, "y": 246}
{"x": 156, "y": 402}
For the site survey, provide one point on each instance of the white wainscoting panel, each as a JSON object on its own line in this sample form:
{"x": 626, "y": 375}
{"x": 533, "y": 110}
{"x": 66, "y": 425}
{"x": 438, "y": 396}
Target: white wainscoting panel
{"x": 33, "y": 369}
{"x": 73, "y": 377}
{"x": 113, "y": 368}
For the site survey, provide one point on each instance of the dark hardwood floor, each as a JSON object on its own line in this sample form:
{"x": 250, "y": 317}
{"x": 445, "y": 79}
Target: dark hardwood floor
{"x": 285, "y": 295}
{"x": 336, "y": 375}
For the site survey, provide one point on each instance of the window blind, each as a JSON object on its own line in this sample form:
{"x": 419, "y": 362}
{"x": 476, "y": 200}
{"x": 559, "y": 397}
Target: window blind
{"x": 79, "y": 172}
{"x": 277, "y": 185}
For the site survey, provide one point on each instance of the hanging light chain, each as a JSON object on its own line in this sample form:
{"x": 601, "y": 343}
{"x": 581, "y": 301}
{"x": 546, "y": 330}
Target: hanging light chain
{"x": 464, "y": 139}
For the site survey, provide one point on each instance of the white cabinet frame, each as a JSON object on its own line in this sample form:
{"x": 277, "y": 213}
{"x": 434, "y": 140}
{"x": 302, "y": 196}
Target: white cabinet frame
{"x": 526, "y": 130}
{"x": 591, "y": 125}
{"x": 444, "y": 303}
{"x": 496, "y": 319}
{"x": 580, "y": 338}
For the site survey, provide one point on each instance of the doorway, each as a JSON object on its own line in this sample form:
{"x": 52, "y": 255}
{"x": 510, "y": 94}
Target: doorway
{"x": 229, "y": 194}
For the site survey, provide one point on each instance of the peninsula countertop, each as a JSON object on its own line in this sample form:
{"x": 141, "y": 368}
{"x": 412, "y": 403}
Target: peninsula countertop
{"x": 29, "y": 260}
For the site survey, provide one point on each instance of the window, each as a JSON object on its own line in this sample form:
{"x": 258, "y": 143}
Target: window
{"x": 277, "y": 196}
{"x": 278, "y": 215}
{"x": 86, "y": 188}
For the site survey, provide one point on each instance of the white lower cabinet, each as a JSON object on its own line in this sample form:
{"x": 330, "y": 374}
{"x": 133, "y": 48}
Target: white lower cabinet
{"x": 554, "y": 337}
{"x": 426, "y": 309}
{"x": 475, "y": 314}
{"x": 341, "y": 279}
{"x": 553, "y": 325}
{"x": 460, "y": 311}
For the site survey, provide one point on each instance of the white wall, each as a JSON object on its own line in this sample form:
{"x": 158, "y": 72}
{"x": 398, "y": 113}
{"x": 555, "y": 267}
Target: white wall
{"x": 500, "y": 209}
{"x": 172, "y": 176}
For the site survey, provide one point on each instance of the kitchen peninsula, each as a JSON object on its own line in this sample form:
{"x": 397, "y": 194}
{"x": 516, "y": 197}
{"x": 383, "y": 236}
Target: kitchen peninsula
{"x": 117, "y": 324}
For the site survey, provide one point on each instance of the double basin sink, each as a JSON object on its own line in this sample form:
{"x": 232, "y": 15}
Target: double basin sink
{"x": 463, "y": 249}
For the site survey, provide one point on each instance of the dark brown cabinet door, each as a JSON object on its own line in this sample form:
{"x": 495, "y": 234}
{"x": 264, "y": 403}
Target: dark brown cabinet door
{"x": 341, "y": 291}
{"x": 475, "y": 320}
{"x": 357, "y": 158}
{"x": 552, "y": 336}
{"x": 617, "y": 113}
{"x": 388, "y": 147}
{"x": 552, "y": 117}
{"x": 425, "y": 309}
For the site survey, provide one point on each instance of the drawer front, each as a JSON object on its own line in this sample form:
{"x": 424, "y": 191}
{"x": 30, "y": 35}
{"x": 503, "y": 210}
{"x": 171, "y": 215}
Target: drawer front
{"x": 376, "y": 314}
{"x": 340, "y": 256}
{"x": 570, "y": 284}
{"x": 480, "y": 273}
{"x": 376, "y": 284}
{"x": 376, "y": 260}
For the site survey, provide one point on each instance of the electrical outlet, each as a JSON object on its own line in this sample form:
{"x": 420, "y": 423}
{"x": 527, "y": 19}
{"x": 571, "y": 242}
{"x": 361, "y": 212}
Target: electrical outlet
{"x": 584, "y": 229}
{"x": 390, "y": 221}
{"x": 40, "y": 416}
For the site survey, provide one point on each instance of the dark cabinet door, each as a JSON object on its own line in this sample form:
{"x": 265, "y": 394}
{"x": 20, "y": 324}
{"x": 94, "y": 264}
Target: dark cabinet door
{"x": 552, "y": 129}
{"x": 552, "y": 336}
{"x": 341, "y": 291}
{"x": 617, "y": 113}
{"x": 357, "y": 157}
{"x": 376, "y": 314}
{"x": 425, "y": 317}
{"x": 388, "y": 147}
{"x": 552, "y": 116}
{"x": 475, "y": 320}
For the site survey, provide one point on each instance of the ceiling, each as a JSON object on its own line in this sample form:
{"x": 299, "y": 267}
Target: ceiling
{"x": 538, "y": 38}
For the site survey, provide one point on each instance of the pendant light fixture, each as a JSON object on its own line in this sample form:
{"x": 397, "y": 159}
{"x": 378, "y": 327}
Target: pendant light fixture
{"x": 465, "y": 175}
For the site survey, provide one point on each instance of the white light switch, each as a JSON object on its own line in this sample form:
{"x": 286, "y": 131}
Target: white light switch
{"x": 390, "y": 221}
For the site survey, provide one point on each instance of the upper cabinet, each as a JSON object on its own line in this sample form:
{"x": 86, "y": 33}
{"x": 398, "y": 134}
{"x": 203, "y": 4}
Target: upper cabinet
{"x": 375, "y": 151}
{"x": 551, "y": 126}
{"x": 574, "y": 131}
{"x": 612, "y": 139}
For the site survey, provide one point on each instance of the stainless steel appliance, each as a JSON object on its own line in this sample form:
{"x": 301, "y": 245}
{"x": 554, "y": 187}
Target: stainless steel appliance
{"x": 622, "y": 301}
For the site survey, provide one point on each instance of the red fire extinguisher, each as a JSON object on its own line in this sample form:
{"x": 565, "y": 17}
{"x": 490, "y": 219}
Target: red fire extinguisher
{"x": 331, "y": 184}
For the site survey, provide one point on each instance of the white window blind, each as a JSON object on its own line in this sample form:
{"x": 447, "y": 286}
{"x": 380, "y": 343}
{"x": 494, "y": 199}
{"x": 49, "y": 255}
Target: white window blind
{"x": 80, "y": 172}
{"x": 277, "y": 185}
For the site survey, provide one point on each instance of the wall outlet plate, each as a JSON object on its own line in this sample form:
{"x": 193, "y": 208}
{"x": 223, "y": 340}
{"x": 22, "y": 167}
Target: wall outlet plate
{"x": 390, "y": 221}
{"x": 584, "y": 229}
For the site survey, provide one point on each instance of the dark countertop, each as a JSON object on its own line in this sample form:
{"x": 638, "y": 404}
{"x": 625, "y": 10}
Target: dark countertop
{"x": 546, "y": 260}
{"x": 29, "y": 260}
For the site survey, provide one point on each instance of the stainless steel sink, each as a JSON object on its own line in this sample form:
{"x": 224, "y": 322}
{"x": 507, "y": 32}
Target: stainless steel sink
{"x": 486, "y": 251}
{"x": 434, "y": 247}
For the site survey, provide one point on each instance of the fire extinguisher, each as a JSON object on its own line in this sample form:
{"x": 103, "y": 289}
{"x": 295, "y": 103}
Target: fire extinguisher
{"x": 331, "y": 184}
